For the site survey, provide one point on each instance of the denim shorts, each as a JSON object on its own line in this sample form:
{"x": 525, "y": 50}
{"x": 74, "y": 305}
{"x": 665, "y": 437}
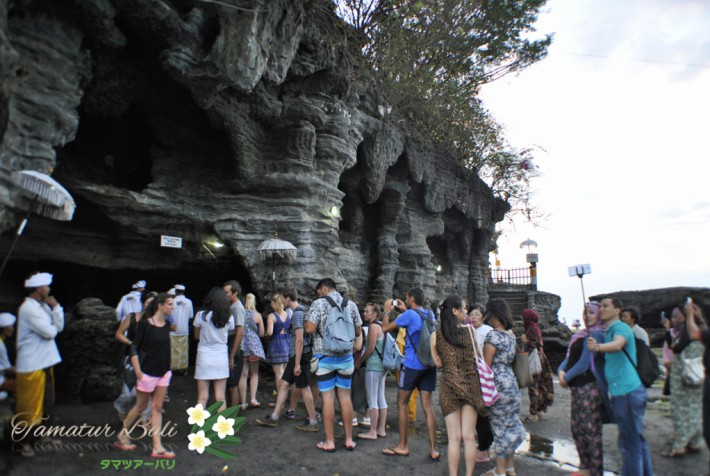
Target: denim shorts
{"x": 424, "y": 380}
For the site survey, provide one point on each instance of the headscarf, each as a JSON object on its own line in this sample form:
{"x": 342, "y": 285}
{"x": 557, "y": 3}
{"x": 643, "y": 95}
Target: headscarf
{"x": 532, "y": 331}
{"x": 584, "y": 333}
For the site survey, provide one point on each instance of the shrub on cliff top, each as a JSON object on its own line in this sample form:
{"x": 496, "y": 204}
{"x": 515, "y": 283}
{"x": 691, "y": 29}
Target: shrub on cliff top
{"x": 430, "y": 59}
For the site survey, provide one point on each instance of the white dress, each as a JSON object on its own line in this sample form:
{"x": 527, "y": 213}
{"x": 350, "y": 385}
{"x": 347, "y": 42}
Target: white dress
{"x": 212, "y": 353}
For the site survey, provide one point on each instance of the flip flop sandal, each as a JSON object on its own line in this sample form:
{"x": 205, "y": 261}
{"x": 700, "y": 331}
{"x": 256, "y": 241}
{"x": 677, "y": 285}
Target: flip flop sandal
{"x": 436, "y": 458}
{"x": 362, "y": 436}
{"x": 122, "y": 447}
{"x": 321, "y": 446}
{"x": 254, "y": 405}
{"x": 163, "y": 455}
{"x": 393, "y": 452}
{"x": 351, "y": 448}
{"x": 674, "y": 454}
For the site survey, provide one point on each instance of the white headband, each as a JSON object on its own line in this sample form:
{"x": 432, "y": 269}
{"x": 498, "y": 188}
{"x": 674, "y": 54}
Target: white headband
{"x": 7, "y": 319}
{"x": 139, "y": 284}
{"x": 39, "y": 279}
{"x": 179, "y": 287}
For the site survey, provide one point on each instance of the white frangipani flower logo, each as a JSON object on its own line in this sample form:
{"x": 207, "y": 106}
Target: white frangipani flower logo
{"x": 198, "y": 415}
{"x": 198, "y": 441}
{"x": 212, "y": 430}
{"x": 224, "y": 427}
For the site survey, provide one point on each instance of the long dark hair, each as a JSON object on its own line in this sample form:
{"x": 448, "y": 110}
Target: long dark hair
{"x": 499, "y": 309}
{"x": 449, "y": 323}
{"x": 217, "y": 302}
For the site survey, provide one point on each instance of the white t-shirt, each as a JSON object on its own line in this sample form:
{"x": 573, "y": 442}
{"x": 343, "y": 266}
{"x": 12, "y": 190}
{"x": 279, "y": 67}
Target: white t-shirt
{"x": 481, "y": 334}
{"x": 210, "y": 334}
{"x": 181, "y": 315}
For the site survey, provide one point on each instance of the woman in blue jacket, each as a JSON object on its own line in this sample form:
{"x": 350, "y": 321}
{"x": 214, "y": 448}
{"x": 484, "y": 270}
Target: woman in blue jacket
{"x": 584, "y": 375}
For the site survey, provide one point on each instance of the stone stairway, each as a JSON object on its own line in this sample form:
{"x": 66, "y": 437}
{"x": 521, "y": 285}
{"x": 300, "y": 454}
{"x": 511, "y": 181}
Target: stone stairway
{"x": 517, "y": 300}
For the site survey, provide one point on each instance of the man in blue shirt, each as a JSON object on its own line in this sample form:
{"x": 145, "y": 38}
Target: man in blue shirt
{"x": 413, "y": 374}
{"x": 628, "y": 395}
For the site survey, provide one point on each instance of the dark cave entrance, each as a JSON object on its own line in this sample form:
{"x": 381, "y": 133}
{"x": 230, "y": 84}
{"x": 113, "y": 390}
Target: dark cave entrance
{"x": 74, "y": 282}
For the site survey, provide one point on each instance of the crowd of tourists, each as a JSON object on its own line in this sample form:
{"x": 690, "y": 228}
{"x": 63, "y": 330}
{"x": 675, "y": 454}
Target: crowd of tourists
{"x": 314, "y": 353}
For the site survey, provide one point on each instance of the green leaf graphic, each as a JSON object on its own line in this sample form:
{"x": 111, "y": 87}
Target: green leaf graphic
{"x": 229, "y": 412}
{"x": 218, "y": 452}
{"x": 214, "y": 407}
{"x": 227, "y": 441}
{"x": 239, "y": 422}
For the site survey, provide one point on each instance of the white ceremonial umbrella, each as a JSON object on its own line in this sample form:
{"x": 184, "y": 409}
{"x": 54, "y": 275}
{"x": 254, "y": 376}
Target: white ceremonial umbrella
{"x": 528, "y": 243}
{"x": 274, "y": 247}
{"x": 42, "y": 195}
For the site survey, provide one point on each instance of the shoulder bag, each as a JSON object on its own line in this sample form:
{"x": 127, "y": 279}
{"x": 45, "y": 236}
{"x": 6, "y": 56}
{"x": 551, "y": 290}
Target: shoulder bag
{"x": 693, "y": 372}
{"x": 521, "y": 368}
{"x": 485, "y": 374}
{"x": 535, "y": 363}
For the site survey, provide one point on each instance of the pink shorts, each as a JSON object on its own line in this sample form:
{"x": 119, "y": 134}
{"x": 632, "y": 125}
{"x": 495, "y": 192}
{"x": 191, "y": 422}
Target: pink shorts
{"x": 148, "y": 383}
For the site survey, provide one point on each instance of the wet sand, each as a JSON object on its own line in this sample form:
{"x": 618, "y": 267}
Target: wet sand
{"x": 548, "y": 451}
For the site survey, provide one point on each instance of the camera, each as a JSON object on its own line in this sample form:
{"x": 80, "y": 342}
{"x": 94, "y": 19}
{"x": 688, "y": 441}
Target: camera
{"x": 395, "y": 302}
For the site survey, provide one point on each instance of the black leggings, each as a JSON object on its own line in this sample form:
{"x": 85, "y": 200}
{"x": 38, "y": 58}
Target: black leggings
{"x": 485, "y": 434}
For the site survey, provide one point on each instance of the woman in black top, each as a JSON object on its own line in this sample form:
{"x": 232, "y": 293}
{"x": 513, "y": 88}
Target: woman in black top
{"x": 125, "y": 334}
{"x": 150, "y": 355}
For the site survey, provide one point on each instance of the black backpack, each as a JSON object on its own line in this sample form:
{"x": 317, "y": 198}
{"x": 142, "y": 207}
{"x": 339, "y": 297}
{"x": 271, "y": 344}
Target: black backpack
{"x": 647, "y": 363}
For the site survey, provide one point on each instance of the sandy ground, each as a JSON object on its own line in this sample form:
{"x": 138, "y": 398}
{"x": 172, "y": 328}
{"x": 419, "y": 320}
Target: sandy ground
{"x": 548, "y": 451}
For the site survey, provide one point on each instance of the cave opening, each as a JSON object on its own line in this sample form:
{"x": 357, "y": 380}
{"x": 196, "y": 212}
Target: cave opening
{"x": 110, "y": 150}
{"x": 74, "y": 282}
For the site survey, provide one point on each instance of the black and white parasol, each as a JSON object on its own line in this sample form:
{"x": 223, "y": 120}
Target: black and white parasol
{"x": 273, "y": 248}
{"x": 42, "y": 195}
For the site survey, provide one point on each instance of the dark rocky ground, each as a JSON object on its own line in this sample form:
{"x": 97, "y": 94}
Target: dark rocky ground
{"x": 549, "y": 450}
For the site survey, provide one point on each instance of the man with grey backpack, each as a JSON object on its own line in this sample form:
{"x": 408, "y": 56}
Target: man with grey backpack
{"x": 418, "y": 371}
{"x": 334, "y": 322}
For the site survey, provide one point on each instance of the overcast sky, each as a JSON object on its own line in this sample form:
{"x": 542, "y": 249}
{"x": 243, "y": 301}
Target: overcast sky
{"x": 621, "y": 107}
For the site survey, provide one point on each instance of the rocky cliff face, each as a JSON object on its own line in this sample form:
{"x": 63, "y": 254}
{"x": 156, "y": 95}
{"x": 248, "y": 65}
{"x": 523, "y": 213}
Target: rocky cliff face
{"x": 222, "y": 122}
{"x": 651, "y": 302}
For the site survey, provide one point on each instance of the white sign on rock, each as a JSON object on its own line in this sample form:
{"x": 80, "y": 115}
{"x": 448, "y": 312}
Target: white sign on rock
{"x": 170, "y": 241}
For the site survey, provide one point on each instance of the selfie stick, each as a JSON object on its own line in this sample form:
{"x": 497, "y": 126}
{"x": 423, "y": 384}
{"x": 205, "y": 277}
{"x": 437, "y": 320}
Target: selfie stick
{"x": 580, "y": 270}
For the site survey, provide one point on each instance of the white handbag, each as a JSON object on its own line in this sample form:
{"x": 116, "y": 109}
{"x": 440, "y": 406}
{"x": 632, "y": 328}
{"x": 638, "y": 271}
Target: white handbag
{"x": 693, "y": 371}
